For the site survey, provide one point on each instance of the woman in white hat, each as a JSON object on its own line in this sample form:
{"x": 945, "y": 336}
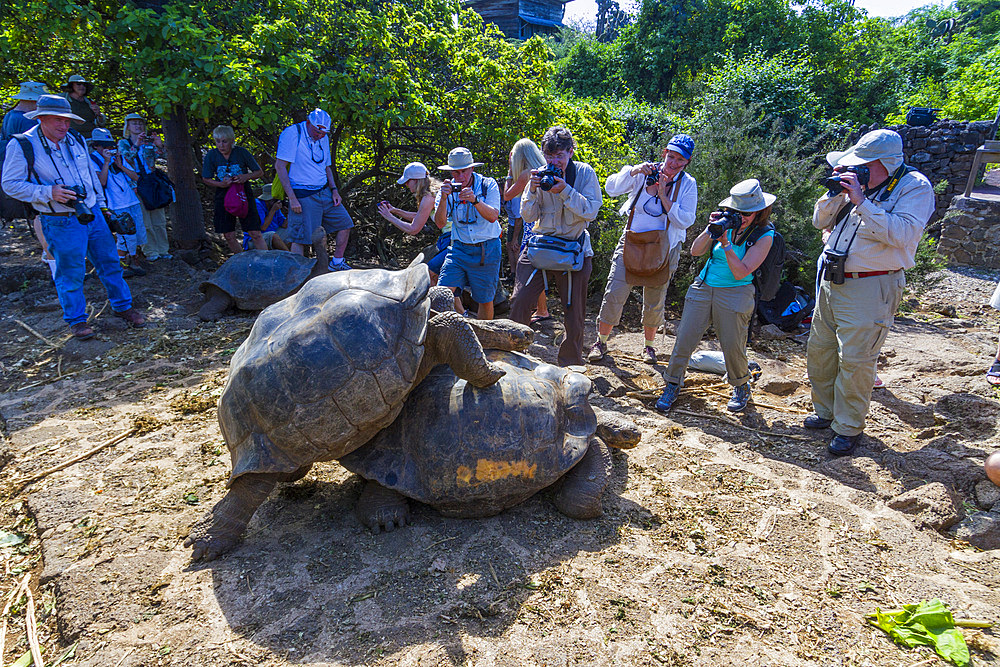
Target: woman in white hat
{"x": 723, "y": 293}
{"x": 418, "y": 181}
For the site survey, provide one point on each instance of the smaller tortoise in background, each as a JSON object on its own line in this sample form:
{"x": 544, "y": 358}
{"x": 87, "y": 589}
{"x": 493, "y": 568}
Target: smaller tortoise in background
{"x": 253, "y": 280}
{"x": 474, "y": 451}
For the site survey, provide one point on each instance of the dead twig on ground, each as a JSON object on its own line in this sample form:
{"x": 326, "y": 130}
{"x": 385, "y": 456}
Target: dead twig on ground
{"x": 39, "y": 336}
{"x": 12, "y": 597}
{"x": 780, "y": 408}
{"x": 20, "y": 484}
{"x": 31, "y": 627}
{"x": 728, "y": 422}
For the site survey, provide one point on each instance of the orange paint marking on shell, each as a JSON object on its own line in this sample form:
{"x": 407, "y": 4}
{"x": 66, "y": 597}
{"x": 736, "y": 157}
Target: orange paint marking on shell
{"x": 491, "y": 471}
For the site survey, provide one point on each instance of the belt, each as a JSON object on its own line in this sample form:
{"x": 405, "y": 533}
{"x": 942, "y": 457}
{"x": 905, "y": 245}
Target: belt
{"x": 64, "y": 214}
{"x": 869, "y": 274}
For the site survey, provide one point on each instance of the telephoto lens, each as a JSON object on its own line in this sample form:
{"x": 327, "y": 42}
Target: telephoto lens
{"x": 83, "y": 214}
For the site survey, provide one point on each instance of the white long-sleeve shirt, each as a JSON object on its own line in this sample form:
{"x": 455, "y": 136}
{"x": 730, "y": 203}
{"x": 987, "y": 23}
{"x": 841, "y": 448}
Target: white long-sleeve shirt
{"x": 887, "y": 232}
{"x": 681, "y": 214}
{"x": 69, "y": 164}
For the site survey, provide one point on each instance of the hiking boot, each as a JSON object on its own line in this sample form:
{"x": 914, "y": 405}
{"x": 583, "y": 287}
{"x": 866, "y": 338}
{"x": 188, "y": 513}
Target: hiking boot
{"x": 843, "y": 445}
{"x": 649, "y": 355}
{"x": 741, "y": 396}
{"x": 597, "y": 352}
{"x": 815, "y": 421}
{"x": 669, "y": 396}
{"x": 137, "y": 269}
{"x": 81, "y": 331}
{"x": 129, "y": 272}
{"x": 342, "y": 266}
{"x": 132, "y": 317}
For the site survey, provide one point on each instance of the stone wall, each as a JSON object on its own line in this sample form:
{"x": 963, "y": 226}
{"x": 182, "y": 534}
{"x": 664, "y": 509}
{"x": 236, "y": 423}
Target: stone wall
{"x": 942, "y": 151}
{"x": 970, "y": 233}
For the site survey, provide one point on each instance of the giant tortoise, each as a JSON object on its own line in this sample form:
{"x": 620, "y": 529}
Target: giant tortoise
{"x": 323, "y": 371}
{"x": 253, "y": 280}
{"x": 473, "y": 451}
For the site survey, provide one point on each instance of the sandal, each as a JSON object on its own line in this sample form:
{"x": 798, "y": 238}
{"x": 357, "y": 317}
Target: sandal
{"x": 535, "y": 319}
{"x": 993, "y": 374}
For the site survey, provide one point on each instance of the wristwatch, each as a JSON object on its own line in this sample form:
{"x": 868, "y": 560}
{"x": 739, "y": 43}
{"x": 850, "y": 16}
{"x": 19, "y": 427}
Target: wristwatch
{"x": 476, "y": 200}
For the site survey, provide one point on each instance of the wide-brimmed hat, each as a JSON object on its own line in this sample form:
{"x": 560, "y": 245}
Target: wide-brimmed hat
{"x": 76, "y": 78}
{"x": 747, "y": 196}
{"x": 459, "y": 158}
{"x": 53, "y": 105}
{"x": 413, "y": 170}
{"x": 266, "y": 192}
{"x": 30, "y": 91}
{"x": 682, "y": 144}
{"x": 100, "y": 137}
{"x": 884, "y": 145}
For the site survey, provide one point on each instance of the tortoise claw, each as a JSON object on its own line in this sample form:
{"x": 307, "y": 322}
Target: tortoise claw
{"x": 382, "y": 509}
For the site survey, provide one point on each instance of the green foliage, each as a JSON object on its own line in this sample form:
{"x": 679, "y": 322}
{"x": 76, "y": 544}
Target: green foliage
{"x": 929, "y": 262}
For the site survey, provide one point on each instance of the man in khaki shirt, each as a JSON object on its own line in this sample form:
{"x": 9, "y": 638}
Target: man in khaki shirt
{"x": 877, "y": 225}
{"x": 563, "y": 211}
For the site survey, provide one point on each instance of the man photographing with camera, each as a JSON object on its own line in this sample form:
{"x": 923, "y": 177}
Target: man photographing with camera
{"x": 875, "y": 211}
{"x": 562, "y": 199}
{"x": 48, "y": 167}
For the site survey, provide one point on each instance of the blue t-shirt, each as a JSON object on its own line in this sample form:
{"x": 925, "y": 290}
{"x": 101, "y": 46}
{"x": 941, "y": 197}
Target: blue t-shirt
{"x": 716, "y": 272}
{"x": 276, "y": 222}
{"x": 15, "y": 123}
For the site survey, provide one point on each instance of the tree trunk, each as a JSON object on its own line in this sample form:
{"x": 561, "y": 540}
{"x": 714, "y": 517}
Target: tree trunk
{"x": 188, "y": 219}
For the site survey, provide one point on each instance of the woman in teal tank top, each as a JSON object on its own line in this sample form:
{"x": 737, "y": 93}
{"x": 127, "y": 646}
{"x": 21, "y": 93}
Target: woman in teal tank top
{"x": 723, "y": 294}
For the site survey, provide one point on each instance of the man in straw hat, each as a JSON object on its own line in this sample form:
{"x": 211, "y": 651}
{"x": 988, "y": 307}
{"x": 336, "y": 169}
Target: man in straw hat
{"x": 305, "y": 170}
{"x": 471, "y": 202}
{"x": 876, "y": 215}
{"x": 59, "y": 181}
{"x": 77, "y": 89}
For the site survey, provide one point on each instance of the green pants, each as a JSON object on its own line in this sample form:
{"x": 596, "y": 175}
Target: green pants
{"x": 849, "y": 326}
{"x": 728, "y": 310}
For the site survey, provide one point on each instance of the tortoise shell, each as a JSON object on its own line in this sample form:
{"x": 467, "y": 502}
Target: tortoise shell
{"x": 257, "y": 278}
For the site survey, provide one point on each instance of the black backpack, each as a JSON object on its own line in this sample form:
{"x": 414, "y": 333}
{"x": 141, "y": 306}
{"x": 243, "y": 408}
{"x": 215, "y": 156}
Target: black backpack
{"x": 767, "y": 277}
{"x": 154, "y": 188}
{"x": 788, "y": 308}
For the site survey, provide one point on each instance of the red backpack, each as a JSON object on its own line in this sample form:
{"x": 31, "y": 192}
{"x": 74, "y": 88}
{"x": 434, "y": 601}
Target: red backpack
{"x": 236, "y": 200}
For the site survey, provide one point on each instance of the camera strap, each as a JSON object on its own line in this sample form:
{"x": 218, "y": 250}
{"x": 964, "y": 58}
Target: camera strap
{"x": 897, "y": 176}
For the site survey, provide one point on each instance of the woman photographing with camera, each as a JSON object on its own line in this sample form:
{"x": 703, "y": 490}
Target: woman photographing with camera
{"x": 738, "y": 238}
{"x": 662, "y": 199}
{"x": 418, "y": 181}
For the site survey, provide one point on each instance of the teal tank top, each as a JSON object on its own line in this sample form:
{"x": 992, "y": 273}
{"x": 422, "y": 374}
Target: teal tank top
{"x": 716, "y": 272}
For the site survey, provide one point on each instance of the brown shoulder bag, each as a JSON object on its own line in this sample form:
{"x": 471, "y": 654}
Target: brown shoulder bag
{"x": 647, "y": 254}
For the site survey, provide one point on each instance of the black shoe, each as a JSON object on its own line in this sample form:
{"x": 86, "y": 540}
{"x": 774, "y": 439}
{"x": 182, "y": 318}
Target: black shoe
{"x": 843, "y": 445}
{"x": 815, "y": 421}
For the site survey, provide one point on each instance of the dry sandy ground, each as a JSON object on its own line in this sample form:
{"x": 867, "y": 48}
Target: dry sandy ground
{"x": 725, "y": 540}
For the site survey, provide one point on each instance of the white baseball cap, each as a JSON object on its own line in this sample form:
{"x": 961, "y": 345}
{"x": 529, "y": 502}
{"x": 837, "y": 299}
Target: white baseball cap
{"x": 413, "y": 170}
{"x": 320, "y": 119}
{"x": 884, "y": 145}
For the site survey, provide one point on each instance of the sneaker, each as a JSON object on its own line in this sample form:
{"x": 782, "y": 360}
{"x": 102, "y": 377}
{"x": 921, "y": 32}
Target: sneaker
{"x": 152, "y": 258}
{"x": 132, "y": 317}
{"x": 815, "y": 421}
{"x": 597, "y": 352}
{"x": 81, "y": 331}
{"x": 341, "y": 266}
{"x": 878, "y": 384}
{"x": 741, "y": 396}
{"x": 137, "y": 269}
{"x": 669, "y": 396}
{"x": 166, "y": 255}
{"x": 469, "y": 315}
{"x": 129, "y": 272}
{"x": 649, "y": 355}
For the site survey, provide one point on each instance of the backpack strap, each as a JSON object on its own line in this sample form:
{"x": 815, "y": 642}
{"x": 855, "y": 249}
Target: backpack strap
{"x": 29, "y": 155}
{"x": 757, "y": 233}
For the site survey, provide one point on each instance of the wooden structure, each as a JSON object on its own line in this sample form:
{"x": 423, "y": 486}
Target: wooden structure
{"x": 520, "y": 19}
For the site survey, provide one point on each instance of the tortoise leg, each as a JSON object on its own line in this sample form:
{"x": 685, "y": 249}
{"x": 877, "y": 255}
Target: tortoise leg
{"x": 381, "y": 509}
{"x": 450, "y": 340}
{"x": 220, "y": 530}
{"x": 616, "y": 431}
{"x": 216, "y": 305}
{"x": 579, "y": 497}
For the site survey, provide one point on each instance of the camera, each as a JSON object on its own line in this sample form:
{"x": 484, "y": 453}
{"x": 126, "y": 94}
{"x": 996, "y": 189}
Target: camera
{"x": 654, "y": 178}
{"x": 83, "y": 214}
{"x": 834, "y": 262}
{"x": 835, "y": 186}
{"x": 730, "y": 219}
{"x": 547, "y": 177}
{"x": 456, "y": 186}
{"x": 121, "y": 223}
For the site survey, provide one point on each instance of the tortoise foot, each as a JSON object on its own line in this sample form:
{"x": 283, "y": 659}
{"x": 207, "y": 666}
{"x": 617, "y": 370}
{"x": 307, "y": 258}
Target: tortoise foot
{"x": 216, "y": 306}
{"x": 220, "y": 530}
{"x": 580, "y": 495}
{"x": 382, "y": 509}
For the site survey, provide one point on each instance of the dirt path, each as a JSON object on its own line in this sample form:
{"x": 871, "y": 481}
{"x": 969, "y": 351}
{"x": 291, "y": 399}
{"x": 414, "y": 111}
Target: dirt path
{"x": 725, "y": 540}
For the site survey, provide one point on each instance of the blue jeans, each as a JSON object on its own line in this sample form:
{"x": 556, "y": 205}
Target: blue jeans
{"x": 71, "y": 244}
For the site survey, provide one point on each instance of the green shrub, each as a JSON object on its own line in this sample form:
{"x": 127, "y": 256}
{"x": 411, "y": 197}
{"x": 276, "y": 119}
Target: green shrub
{"x": 925, "y": 274}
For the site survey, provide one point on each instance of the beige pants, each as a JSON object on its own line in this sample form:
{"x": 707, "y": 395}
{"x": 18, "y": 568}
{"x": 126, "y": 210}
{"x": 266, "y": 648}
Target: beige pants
{"x": 156, "y": 232}
{"x": 849, "y": 326}
{"x": 617, "y": 291}
{"x": 728, "y": 310}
